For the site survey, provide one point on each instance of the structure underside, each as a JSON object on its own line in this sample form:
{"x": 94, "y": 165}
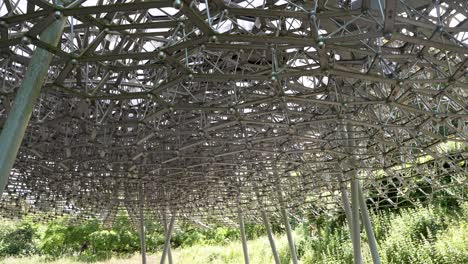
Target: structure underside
{"x": 205, "y": 107}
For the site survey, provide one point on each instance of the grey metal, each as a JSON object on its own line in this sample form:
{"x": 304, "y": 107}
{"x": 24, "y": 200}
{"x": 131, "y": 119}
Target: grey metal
{"x": 271, "y": 239}
{"x": 368, "y": 226}
{"x": 167, "y": 242}
{"x": 169, "y": 255}
{"x": 142, "y": 225}
{"x": 165, "y": 225}
{"x": 287, "y": 225}
{"x": 355, "y": 215}
{"x": 355, "y": 223}
{"x": 345, "y": 202}
{"x": 18, "y": 117}
{"x": 266, "y": 223}
{"x": 137, "y": 93}
{"x": 245, "y": 250}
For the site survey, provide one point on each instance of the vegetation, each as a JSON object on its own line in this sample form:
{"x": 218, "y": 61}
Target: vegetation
{"x": 431, "y": 234}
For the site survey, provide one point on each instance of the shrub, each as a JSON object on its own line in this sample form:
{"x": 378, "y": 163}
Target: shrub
{"x": 452, "y": 245}
{"x": 104, "y": 240}
{"x": 18, "y": 239}
{"x": 52, "y": 242}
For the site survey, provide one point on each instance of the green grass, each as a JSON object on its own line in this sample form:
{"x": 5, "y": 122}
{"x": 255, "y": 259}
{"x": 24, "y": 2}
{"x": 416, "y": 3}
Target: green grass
{"x": 426, "y": 235}
{"x": 230, "y": 253}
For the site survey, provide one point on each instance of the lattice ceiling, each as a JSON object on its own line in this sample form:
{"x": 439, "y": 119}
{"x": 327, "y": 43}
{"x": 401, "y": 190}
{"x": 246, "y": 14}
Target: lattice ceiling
{"x": 208, "y": 104}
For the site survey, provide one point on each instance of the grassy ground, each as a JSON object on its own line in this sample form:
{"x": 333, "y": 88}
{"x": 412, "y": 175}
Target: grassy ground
{"x": 227, "y": 254}
{"x": 412, "y": 236}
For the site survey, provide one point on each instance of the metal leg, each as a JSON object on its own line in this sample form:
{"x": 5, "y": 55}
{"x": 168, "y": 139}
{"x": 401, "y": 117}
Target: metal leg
{"x": 169, "y": 252}
{"x": 292, "y": 248}
{"x": 244, "y": 240}
{"x": 284, "y": 215}
{"x": 355, "y": 223}
{"x": 18, "y": 118}
{"x": 266, "y": 222}
{"x": 168, "y": 239}
{"x": 142, "y": 225}
{"x": 345, "y": 199}
{"x": 368, "y": 225}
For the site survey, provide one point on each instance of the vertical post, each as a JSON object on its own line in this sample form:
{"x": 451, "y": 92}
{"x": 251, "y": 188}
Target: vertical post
{"x": 292, "y": 248}
{"x": 355, "y": 223}
{"x": 345, "y": 199}
{"x": 15, "y": 126}
{"x": 284, "y": 215}
{"x": 169, "y": 253}
{"x": 266, "y": 222}
{"x": 242, "y": 233}
{"x": 142, "y": 224}
{"x": 368, "y": 225}
{"x": 168, "y": 239}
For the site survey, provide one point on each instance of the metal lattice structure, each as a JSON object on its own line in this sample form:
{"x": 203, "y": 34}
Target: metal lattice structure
{"x": 213, "y": 107}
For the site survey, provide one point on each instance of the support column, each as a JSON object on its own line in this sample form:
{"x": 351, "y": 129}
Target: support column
{"x": 355, "y": 223}
{"x": 345, "y": 199}
{"x": 368, "y": 225}
{"x": 169, "y": 252}
{"x": 266, "y": 222}
{"x": 284, "y": 215}
{"x": 292, "y": 248}
{"x": 142, "y": 225}
{"x": 242, "y": 233}
{"x": 18, "y": 118}
{"x": 168, "y": 239}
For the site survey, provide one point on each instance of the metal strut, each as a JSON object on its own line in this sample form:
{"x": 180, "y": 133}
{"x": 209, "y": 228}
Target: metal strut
{"x": 368, "y": 226}
{"x": 355, "y": 220}
{"x": 15, "y": 126}
{"x": 266, "y": 222}
{"x": 168, "y": 239}
{"x": 355, "y": 223}
{"x": 284, "y": 215}
{"x": 243, "y": 238}
{"x": 345, "y": 199}
{"x": 169, "y": 252}
{"x": 142, "y": 225}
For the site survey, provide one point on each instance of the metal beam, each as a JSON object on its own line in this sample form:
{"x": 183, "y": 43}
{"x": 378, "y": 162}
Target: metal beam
{"x": 18, "y": 118}
{"x": 284, "y": 215}
{"x": 391, "y": 8}
{"x": 345, "y": 199}
{"x": 242, "y": 233}
{"x": 142, "y": 225}
{"x": 123, "y": 7}
{"x": 169, "y": 252}
{"x": 168, "y": 239}
{"x": 368, "y": 225}
{"x": 266, "y": 222}
{"x": 355, "y": 223}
